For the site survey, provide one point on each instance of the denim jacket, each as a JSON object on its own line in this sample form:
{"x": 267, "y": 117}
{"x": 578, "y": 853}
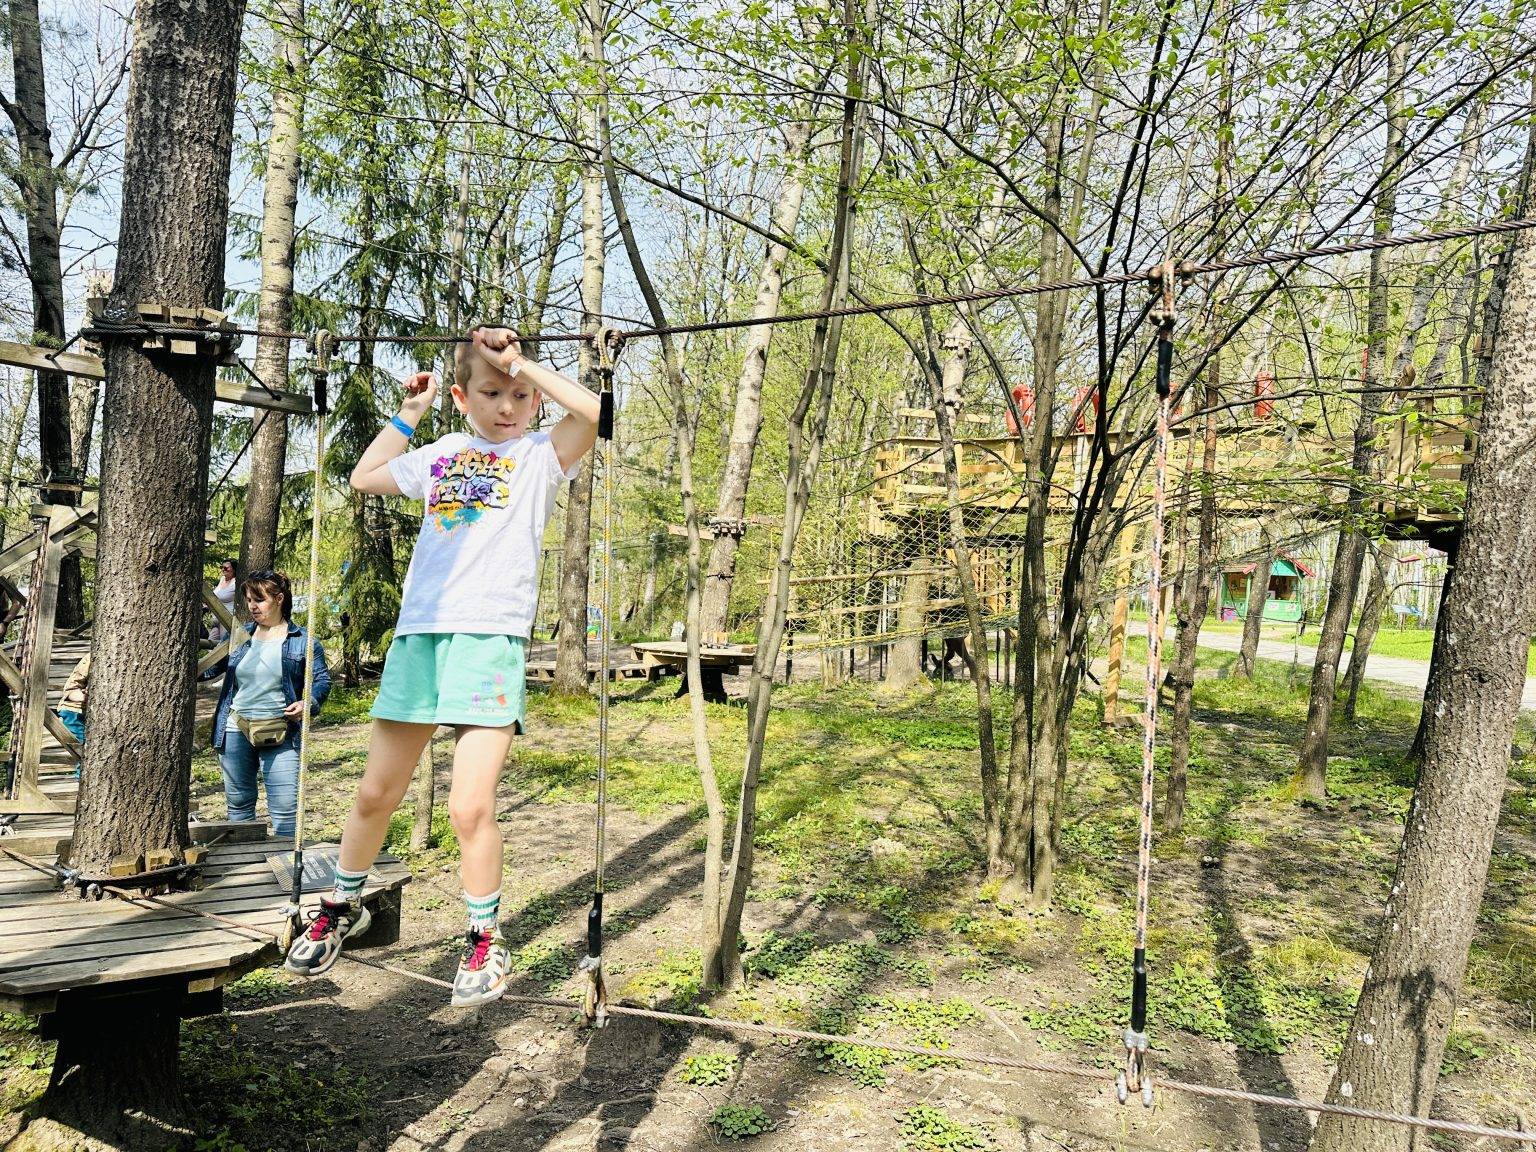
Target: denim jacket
{"x": 293, "y": 680}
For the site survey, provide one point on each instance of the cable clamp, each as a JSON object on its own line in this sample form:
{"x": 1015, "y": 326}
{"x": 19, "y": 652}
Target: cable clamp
{"x": 1135, "y": 1077}
{"x": 727, "y": 526}
{"x": 594, "y": 999}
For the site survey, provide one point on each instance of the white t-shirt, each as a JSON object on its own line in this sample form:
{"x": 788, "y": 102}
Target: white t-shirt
{"x": 476, "y": 564}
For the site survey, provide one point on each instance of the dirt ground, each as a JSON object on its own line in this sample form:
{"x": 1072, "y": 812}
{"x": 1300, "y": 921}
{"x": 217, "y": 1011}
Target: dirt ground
{"x": 865, "y": 915}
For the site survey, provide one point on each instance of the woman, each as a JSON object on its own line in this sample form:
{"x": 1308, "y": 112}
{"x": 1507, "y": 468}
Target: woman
{"x": 256, "y": 725}
{"x": 224, "y": 591}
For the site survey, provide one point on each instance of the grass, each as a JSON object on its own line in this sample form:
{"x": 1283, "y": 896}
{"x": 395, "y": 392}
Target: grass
{"x": 248, "y": 1102}
{"x": 1404, "y": 643}
{"x": 868, "y": 843}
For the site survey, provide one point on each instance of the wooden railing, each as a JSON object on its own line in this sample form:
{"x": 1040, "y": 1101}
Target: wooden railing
{"x": 1261, "y": 467}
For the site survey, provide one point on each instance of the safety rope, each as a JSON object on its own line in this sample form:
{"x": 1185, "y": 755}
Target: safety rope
{"x": 106, "y": 329}
{"x": 606, "y": 347}
{"x": 1134, "y": 1077}
{"x": 777, "y": 1032}
{"x": 323, "y": 344}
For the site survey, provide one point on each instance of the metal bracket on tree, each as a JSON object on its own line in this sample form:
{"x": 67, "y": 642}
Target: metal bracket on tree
{"x": 205, "y": 333}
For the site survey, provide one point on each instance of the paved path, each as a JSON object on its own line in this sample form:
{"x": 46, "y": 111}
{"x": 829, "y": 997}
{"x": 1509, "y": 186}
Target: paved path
{"x": 1393, "y": 669}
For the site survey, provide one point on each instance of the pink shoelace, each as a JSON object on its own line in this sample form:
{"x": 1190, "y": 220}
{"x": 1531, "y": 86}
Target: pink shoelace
{"x": 321, "y": 924}
{"x": 479, "y": 949}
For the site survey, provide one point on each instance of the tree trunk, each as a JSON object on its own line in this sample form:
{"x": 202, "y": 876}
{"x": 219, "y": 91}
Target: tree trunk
{"x": 115, "y": 1073}
{"x": 807, "y": 432}
{"x": 1391, "y": 1057}
{"x": 12, "y": 446}
{"x": 180, "y": 115}
{"x": 458, "y": 239}
{"x": 711, "y": 940}
{"x": 1310, "y": 778}
{"x": 1365, "y": 630}
{"x": 1026, "y": 841}
{"x": 747, "y": 416}
{"x": 37, "y": 181}
{"x": 1492, "y": 331}
{"x": 425, "y": 797}
{"x": 944, "y": 387}
{"x": 1194, "y": 602}
{"x": 905, "y": 670}
{"x": 280, "y": 198}
{"x": 175, "y": 202}
{"x": 1258, "y": 597}
{"x": 571, "y": 652}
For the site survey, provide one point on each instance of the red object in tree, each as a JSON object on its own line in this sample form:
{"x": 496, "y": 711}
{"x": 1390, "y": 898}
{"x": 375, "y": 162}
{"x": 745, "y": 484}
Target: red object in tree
{"x": 1080, "y": 406}
{"x": 1263, "y": 390}
{"x": 1024, "y": 400}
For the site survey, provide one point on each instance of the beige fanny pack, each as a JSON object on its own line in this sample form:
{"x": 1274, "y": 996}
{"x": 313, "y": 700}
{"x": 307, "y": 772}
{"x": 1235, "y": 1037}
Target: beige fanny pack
{"x": 267, "y": 733}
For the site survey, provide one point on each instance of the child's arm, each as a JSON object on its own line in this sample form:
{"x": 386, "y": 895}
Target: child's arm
{"x": 372, "y": 474}
{"x": 573, "y": 437}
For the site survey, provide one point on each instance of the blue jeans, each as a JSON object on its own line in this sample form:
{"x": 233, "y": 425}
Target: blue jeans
{"x": 75, "y": 722}
{"x": 279, "y": 767}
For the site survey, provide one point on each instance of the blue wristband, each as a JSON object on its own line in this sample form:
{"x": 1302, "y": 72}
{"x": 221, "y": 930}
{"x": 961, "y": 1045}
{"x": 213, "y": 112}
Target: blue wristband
{"x": 401, "y": 426}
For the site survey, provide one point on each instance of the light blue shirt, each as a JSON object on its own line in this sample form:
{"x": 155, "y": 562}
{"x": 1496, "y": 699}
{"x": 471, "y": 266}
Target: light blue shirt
{"x": 259, "y": 681}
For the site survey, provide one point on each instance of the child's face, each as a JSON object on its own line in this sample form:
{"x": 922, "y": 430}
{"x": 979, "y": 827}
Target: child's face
{"x": 498, "y": 407}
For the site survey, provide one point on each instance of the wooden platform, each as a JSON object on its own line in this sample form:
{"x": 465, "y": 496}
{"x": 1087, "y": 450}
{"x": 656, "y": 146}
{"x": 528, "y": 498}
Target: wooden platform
{"x": 714, "y": 662}
{"x": 1260, "y": 465}
{"x": 53, "y": 943}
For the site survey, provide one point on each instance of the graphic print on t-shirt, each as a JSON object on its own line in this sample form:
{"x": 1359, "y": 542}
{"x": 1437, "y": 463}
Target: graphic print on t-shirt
{"x": 465, "y": 485}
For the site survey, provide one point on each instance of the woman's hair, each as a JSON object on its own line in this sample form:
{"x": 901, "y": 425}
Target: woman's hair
{"x": 268, "y": 584}
{"x": 227, "y": 560}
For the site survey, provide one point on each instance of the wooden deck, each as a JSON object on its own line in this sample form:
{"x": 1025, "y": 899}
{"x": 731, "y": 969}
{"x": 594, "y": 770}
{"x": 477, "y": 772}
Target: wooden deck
{"x": 54, "y": 942}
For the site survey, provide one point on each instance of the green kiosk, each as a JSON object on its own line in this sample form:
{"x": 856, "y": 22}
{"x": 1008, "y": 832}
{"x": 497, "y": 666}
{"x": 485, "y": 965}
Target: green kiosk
{"x": 1285, "y": 584}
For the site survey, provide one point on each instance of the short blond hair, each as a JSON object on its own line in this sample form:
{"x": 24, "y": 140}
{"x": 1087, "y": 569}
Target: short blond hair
{"x": 464, "y": 357}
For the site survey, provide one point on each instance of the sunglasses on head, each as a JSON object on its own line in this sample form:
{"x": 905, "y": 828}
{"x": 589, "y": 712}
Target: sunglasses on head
{"x": 265, "y": 574}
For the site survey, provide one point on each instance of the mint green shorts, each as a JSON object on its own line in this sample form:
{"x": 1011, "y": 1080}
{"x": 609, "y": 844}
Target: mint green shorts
{"x": 454, "y": 678}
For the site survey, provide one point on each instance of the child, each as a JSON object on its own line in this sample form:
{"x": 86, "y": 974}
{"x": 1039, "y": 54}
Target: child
{"x": 72, "y": 706}
{"x": 465, "y": 616}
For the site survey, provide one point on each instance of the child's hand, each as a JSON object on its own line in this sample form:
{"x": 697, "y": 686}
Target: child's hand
{"x": 420, "y": 393}
{"x": 498, "y": 345}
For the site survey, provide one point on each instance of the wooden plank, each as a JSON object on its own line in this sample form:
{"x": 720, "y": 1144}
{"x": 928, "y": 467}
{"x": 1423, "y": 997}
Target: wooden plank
{"x": 44, "y": 604}
{"x": 140, "y": 928}
{"x": 81, "y": 364}
{"x": 149, "y": 924}
{"x": 174, "y": 937}
{"x": 13, "y": 680}
{"x": 231, "y": 392}
{"x": 90, "y": 367}
{"x": 229, "y": 833}
{"x": 116, "y": 970}
{"x": 71, "y": 911}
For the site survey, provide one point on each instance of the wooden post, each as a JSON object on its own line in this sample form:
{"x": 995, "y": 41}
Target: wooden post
{"x": 37, "y": 649}
{"x": 1117, "y": 630}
